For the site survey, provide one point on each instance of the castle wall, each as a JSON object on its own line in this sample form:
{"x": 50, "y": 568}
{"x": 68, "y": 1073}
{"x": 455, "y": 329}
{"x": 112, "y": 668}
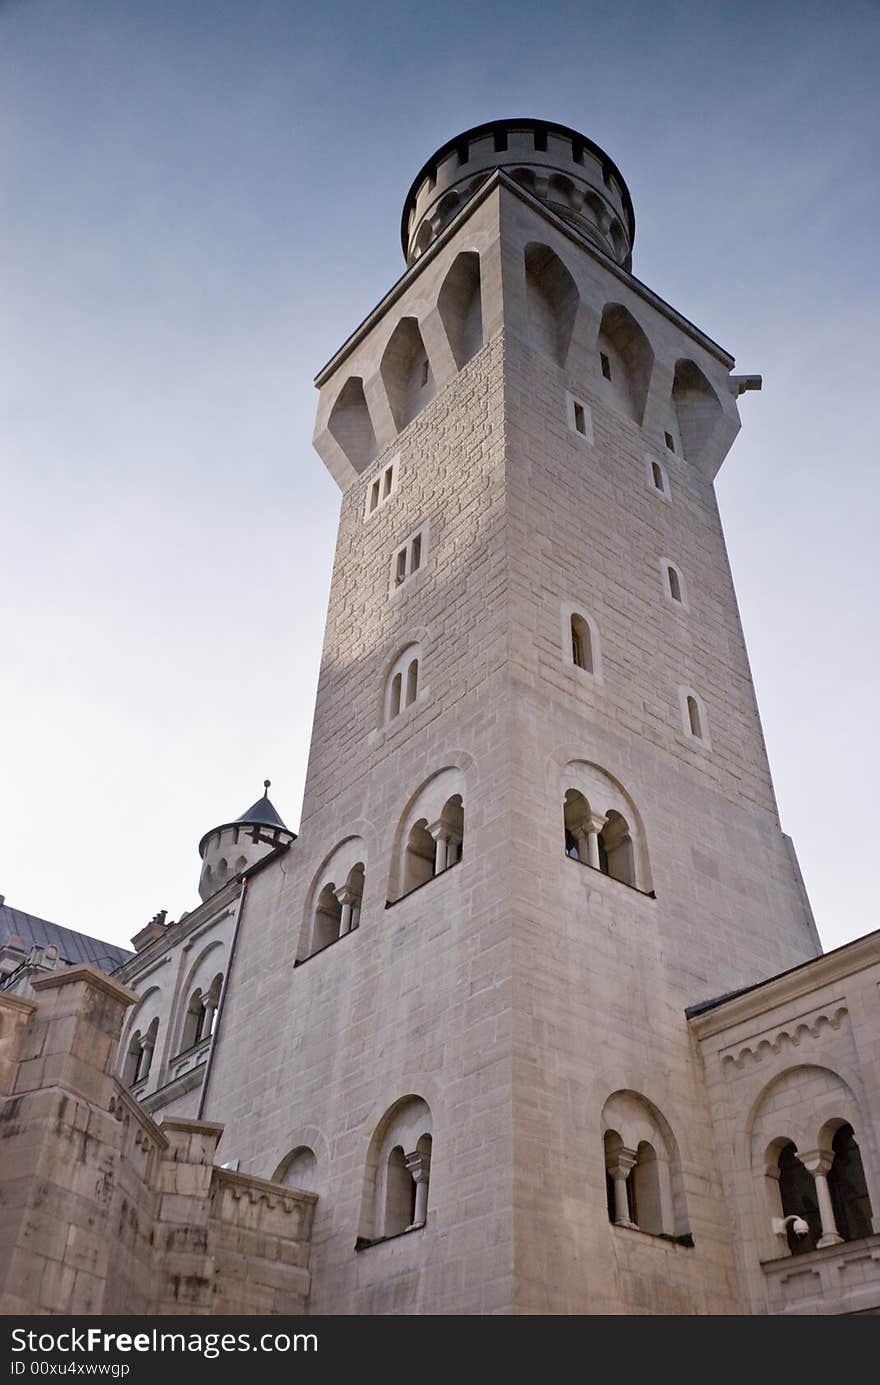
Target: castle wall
{"x": 101, "y": 1212}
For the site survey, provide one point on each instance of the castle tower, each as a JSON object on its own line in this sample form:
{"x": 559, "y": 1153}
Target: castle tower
{"x": 233, "y": 846}
{"x": 538, "y": 820}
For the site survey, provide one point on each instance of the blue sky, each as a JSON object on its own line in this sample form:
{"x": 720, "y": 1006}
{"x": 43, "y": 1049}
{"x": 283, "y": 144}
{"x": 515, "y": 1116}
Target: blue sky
{"x": 199, "y": 202}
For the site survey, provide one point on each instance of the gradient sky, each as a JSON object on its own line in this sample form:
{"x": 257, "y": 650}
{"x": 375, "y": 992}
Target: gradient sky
{"x": 201, "y": 200}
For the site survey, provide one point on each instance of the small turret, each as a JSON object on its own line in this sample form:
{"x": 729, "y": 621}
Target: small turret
{"x": 230, "y": 848}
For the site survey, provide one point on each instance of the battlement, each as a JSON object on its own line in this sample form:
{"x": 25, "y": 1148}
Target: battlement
{"x": 558, "y": 165}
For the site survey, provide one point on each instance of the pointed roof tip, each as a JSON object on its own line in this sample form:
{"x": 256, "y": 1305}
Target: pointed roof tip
{"x": 263, "y": 812}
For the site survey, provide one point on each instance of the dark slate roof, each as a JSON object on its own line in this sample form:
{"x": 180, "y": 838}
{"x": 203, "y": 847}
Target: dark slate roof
{"x": 263, "y": 812}
{"x": 73, "y": 947}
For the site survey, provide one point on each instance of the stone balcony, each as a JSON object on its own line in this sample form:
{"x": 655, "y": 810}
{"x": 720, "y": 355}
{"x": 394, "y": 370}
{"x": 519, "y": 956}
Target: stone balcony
{"x": 839, "y": 1279}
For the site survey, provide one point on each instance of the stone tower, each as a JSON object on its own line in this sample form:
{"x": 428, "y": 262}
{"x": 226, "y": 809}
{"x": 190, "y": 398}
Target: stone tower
{"x": 538, "y": 820}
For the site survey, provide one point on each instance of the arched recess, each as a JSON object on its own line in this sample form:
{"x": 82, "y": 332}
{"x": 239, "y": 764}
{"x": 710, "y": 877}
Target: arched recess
{"x": 553, "y": 300}
{"x": 798, "y": 1112}
{"x": 588, "y": 792}
{"x": 299, "y": 1169}
{"x": 434, "y": 814}
{"x": 697, "y": 408}
{"x": 460, "y": 308}
{"x": 398, "y": 1159}
{"x": 406, "y": 372}
{"x": 334, "y": 899}
{"x": 148, "y": 1008}
{"x": 629, "y": 360}
{"x": 211, "y": 962}
{"x": 648, "y": 1158}
{"x": 351, "y": 424}
{"x": 403, "y": 679}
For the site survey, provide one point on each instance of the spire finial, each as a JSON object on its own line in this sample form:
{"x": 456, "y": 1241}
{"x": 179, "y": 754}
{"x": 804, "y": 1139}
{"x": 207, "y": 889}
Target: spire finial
{"x": 267, "y": 784}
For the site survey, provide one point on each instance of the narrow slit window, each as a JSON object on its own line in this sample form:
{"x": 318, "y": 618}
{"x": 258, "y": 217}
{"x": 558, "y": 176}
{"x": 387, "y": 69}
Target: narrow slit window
{"x": 424, "y": 375}
{"x": 374, "y": 496}
{"x": 675, "y": 590}
{"x": 412, "y": 682}
{"x": 606, "y": 365}
{"x": 386, "y": 480}
{"x": 581, "y": 644}
{"x": 694, "y": 720}
{"x": 415, "y": 560}
{"x": 500, "y": 141}
{"x": 579, "y": 419}
{"x": 395, "y": 694}
{"x": 670, "y": 441}
{"x": 657, "y": 474}
{"x": 400, "y": 568}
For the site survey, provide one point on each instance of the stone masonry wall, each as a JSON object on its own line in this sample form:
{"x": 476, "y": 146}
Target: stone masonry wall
{"x": 101, "y": 1212}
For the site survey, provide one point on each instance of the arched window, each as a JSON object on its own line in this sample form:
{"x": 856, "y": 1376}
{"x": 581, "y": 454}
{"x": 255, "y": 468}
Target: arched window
{"x": 581, "y": 644}
{"x": 201, "y": 1012}
{"x": 580, "y": 641}
{"x": 402, "y": 682}
{"x": 430, "y": 835}
{"x": 396, "y": 1179}
{"x": 599, "y": 839}
{"x": 328, "y": 918}
{"x": 797, "y": 1194}
{"x": 431, "y": 849}
{"x": 616, "y": 848}
{"x": 694, "y": 722}
{"x": 132, "y": 1060}
{"x": 646, "y": 1197}
{"x": 412, "y": 682}
{"x": 644, "y": 1186}
{"x": 194, "y": 1022}
{"x": 849, "y": 1191}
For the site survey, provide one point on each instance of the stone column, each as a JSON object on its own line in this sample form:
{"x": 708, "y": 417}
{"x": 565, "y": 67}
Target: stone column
{"x": 146, "y": 1059}
{"x": 624, "y": 1162}
{"x": 818, "y": 1162}
{"x": 440, "y": 832}
{"x": 593, "y": 826}
{"x": 419, "y": 1165}
{"x": 350, "y": 902}
{"x": 209, "y": 1005}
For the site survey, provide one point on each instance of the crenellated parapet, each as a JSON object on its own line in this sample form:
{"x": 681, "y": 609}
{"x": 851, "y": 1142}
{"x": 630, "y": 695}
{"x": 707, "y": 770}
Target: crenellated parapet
{"x": 107, "y": 1212}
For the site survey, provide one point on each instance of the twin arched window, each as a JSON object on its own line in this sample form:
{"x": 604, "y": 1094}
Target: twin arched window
{"x": 839, "y": 1211}
{"x": 397, "y": 1176}
{"x": 402, "y": 682}
{"x": 338, "y": 909}
{"x": 433, "y": 847}
{"x": 139, "y": 1056}
{"x": 642, "y": 1168}
{"x": 201, "y": 1011}
{"x": 601, "y": 839}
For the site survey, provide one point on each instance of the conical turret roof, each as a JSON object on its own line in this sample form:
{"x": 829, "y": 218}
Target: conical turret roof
{"x": 263, "y": 813}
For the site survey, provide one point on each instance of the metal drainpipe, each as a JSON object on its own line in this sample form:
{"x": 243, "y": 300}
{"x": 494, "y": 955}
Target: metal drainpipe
{"x": 215, "y": 1033}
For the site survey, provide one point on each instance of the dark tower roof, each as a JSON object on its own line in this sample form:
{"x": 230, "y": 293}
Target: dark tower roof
{"x": 263, "y": 813}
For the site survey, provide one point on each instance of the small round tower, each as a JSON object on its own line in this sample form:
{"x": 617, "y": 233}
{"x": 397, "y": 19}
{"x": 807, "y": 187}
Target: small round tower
{"x": 230, "y": 848}
{"x": 561, "y": 167}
